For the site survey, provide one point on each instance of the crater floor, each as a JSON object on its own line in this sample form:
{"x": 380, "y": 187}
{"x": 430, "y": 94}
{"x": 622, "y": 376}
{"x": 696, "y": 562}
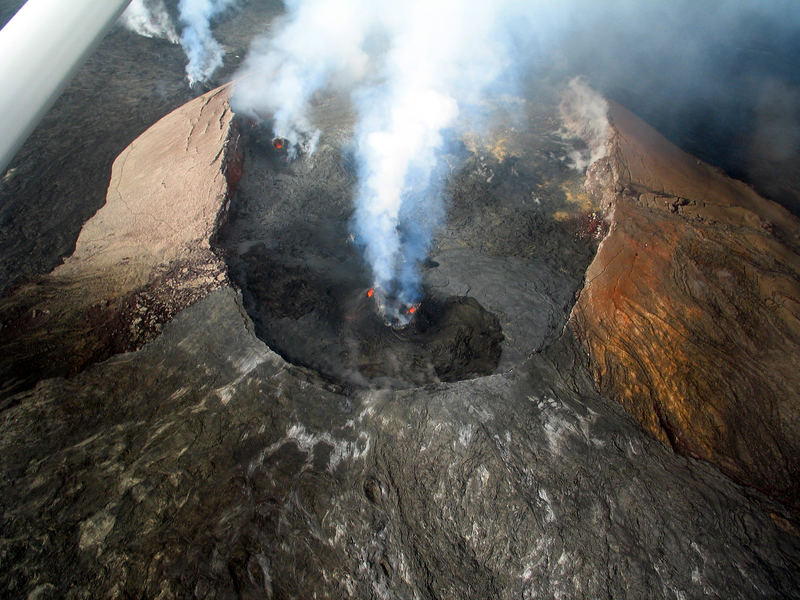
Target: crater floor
{"x": 503, "y": 272}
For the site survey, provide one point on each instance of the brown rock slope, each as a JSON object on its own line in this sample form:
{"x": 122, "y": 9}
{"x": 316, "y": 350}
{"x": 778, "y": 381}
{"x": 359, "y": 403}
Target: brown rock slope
{"x": 145, "y": 255}
{"x": 691, "y": 308}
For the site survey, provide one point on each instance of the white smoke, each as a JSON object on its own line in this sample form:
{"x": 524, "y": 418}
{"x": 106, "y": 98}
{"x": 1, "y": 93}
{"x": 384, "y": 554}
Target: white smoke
{"x": 414, "y": 68}
{"x": 319, "y": 44}
{"x": 149, "y": 18}
{"x": 203, "y": 52}
{"x": 584, "y": 114}
{"x": 411, "y": 68}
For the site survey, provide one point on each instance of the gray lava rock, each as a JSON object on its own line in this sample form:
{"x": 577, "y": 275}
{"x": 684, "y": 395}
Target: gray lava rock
{"x": 205, "y": 466}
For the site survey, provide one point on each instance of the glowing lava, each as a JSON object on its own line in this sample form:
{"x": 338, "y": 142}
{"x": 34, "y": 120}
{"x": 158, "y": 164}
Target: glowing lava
{"x": 395, "y": 313}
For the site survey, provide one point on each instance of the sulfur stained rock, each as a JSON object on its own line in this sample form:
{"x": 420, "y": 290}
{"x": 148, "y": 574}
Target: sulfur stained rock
{"x": 143, "y": 257}
{"x": 691, "y": 308}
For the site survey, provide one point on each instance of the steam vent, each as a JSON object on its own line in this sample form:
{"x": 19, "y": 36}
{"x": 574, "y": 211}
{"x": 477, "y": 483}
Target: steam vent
{"x": 321, "y": 326}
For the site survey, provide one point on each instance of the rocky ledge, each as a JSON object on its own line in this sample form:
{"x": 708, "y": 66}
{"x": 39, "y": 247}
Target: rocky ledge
{"x": 691, "y": 308}
{"x": 143, "y": 257}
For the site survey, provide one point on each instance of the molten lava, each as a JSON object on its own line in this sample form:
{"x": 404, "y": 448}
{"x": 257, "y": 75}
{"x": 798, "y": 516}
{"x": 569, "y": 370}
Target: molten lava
{"x": 394, "y": 312}
{"x": 277, "y": 143}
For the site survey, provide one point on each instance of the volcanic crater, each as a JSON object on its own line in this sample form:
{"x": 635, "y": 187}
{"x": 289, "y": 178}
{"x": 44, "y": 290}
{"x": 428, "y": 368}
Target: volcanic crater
{"x": 307, "y": 289}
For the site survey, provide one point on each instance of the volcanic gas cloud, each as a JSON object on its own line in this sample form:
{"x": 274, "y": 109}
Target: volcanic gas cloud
{"x": 150, "y": 18}
{"x": 410, "y": 70}
{"x": 417, "y": 68}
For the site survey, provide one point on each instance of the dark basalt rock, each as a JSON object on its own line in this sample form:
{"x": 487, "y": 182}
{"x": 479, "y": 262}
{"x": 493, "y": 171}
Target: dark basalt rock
{"x": 495, "y": 289}
{"x": 314, "y": 321}
{"x": 464, "y": 338}
{"x": 447, "y": 340}
{"x": 206, "y": 466}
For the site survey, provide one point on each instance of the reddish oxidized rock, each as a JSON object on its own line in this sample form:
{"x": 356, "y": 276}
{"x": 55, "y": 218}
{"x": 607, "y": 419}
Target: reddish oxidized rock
{"x": 691, "y": 308}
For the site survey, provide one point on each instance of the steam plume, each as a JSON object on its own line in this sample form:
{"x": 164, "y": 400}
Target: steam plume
{"x": 413, "y": 69}
{"x": 584, "y": 114}
{"x": 202, "y": 51}
{"x": 149, "y": 18}
{"x": 408, "y": 82}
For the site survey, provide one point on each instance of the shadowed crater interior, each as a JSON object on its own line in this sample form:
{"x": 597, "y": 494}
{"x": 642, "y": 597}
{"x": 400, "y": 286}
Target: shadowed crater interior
{"x": 305, "y": 285}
